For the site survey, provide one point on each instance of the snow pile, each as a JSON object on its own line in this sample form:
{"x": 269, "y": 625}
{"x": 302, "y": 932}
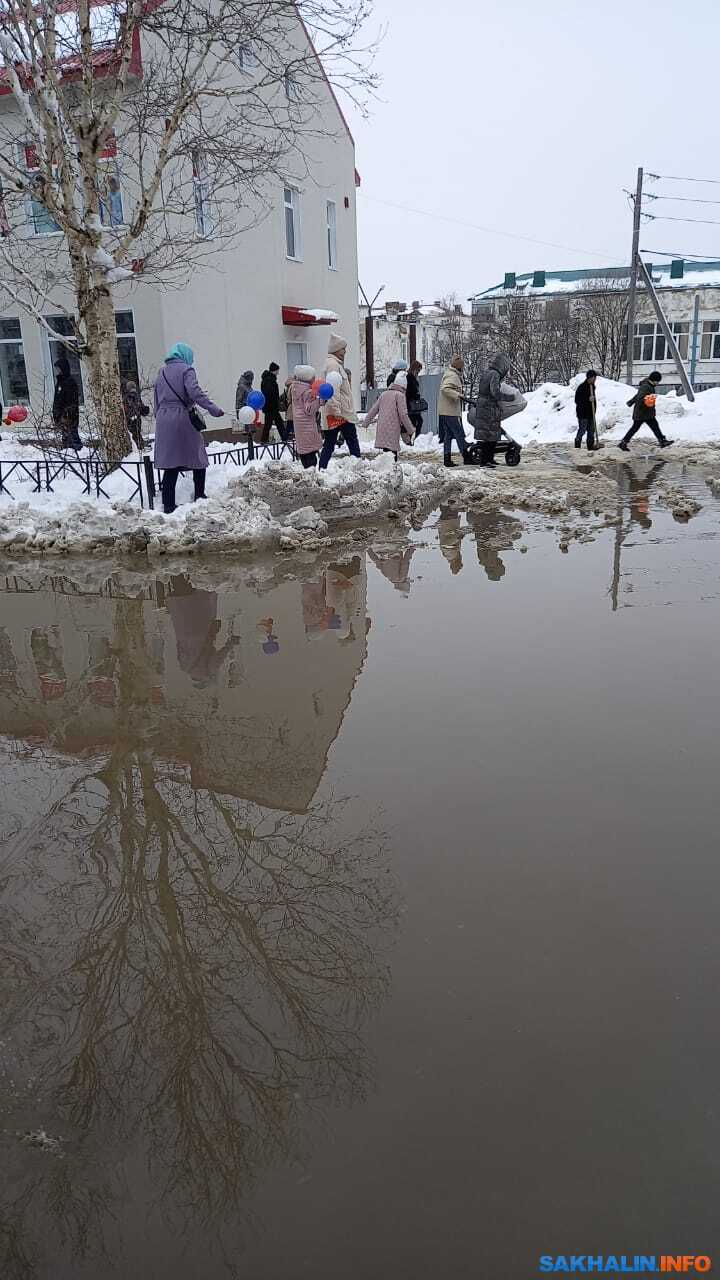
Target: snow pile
{"x": 550, "y": 415}
{"x": 278, "y": 505}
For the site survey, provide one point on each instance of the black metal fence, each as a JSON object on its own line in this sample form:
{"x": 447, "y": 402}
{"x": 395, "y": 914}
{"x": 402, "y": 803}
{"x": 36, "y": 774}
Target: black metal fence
{"x": 92, "y": 473}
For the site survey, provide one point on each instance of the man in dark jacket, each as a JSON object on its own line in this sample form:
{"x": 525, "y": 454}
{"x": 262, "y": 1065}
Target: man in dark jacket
{"x": 66, "y": 405}
{"x": 271, "y": 391}
{"x": 645, "y": 413}
{"x": 487, "y": 418}
{"x": 586, "y": 410}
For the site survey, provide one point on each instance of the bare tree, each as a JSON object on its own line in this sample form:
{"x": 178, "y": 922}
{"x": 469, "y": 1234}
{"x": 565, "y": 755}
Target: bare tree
{"x": 604, "y": 310}
{"x": 454, "y": 336}
{"x": 207, "y": 101}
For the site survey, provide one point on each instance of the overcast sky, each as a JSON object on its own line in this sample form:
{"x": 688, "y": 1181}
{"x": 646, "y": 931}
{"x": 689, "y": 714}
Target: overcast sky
{"x": 529, "y": 117}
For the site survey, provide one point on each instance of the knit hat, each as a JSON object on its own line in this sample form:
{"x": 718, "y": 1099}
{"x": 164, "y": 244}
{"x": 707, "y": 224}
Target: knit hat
{"x": 304, "y": 373}
{"x": 336, "y": 344}
{"x": 400, "y": 364}
{"x": 273, "y": 367}
{"x": 401, "y": 380}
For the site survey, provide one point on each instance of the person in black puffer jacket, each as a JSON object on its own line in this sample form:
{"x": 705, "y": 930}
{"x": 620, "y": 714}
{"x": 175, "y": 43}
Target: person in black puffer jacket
{"x": 645, "y": 413}
{"x": 66, "y": 405}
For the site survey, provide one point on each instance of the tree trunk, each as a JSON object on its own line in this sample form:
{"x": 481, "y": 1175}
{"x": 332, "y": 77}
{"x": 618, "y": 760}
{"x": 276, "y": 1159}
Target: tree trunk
{"x": 100, "y": 358}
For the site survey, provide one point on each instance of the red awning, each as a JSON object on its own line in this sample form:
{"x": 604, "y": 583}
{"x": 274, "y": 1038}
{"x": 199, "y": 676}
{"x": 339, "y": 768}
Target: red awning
{"x": 300, "y": 318}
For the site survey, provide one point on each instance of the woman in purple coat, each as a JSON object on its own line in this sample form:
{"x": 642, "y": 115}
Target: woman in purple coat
{"x": 178, "y": 446}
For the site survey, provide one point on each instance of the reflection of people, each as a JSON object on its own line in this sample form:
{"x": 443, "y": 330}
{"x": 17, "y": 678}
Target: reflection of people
{"x": 586, "y": 410}
{"x": 395, "y": 566}
{"x": 270, "y": 643}
{"x": 196, "y": 625}
{"x": 341, "y": 591}
{"x": 494, "y": 532}
{"x": 644, "y": 407}
{"x": 66, "y": 405}
{"x": 450, "y": 537}
{"x": 638, "y": 489}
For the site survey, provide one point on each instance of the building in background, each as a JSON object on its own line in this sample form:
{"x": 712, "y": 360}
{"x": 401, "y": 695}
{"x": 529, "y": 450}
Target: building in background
{"x": 273, "y": 295}
{"x": 419, "y": 332}
{"x": 574, "y": 311}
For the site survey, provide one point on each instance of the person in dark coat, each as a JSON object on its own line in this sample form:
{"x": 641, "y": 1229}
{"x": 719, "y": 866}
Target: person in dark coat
{"x": 178, "y": 445}
{"x": 586, "y": 410}
{"x": 66, "y": 405}
{"x": 413, "y": 395}
{"x": 271, "y": 391}
{"x": 487, "y": 419}
{"x": 645, "y": 413}
{"x": 135, "y": 411}
{"x": 243, "y": 389}
{"x": 400, "y": 366}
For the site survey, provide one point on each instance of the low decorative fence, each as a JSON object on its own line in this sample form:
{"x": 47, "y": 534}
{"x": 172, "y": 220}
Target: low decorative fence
{"x": 92, "y": 474}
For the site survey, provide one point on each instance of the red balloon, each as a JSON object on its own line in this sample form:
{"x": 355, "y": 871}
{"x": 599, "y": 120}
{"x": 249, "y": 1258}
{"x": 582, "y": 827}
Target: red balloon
{"x": 18, "y": 413}
{"x": 316, "y": 386}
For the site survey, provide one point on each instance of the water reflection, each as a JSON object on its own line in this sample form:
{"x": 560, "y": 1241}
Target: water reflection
{"x": 190, "y": 938}
{"x": 494, "y": 532}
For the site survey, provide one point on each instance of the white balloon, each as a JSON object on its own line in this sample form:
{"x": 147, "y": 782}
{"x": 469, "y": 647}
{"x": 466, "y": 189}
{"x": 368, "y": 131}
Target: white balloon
{"x": 335, "y": 379}
{"x": 246, "y": 416}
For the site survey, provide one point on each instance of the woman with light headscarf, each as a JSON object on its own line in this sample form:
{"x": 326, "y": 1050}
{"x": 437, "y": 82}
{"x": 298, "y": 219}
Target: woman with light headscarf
{"x": 179, "y": 446}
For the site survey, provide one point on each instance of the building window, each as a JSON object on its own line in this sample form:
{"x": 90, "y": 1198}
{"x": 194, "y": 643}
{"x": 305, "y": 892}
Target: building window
{"x": 201, "y": 188}
{"x": 293, "y": 235}
{"x": 297, "y": 353}
{"x": 292, "y": 88}
{"x": 13, "y": 374}
{"x": 403, "y": 348}
{"x": 331, "y": 216}
{"x": 651, "y": 347}
{"x": 126, "y": 348}
{"x": 41, "y": 222}
{"x": 111, "y": 201}
{"x": 710, "y": 340}
{"x": 247, "y": 61}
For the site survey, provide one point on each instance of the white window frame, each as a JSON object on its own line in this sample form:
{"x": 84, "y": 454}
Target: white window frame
{"x": 49, "y": 359}
{"x": 331, "y": 223}
{"x": 5, "y": 396}
{"x": 293, "y": 205}
{"x": 109, "y": 165}
{"x": 655, "y": 341}
{"x": 204, "y": 220}
{"x": 291, "y": 362}
{"x": 29, "y": 201}
{"x": 246, "y": 57}
{"x": 404, "y": 349}
{"x": 713, "y": 336}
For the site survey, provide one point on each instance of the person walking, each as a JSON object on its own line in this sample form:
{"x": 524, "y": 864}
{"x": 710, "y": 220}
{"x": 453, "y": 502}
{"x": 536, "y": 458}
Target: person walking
{"x": 179, "y": 445}
{"x": 339, "y": 414}
{"x": 243, "y": 389}
{"x": 392, "y": 416}
{"x": 644, "y": 407}
{"x": 487, "y": 419}
{"x": 305, "y": 406}
{"x": 66, "y": 405}
{"x": 286, "y": 407}
{"x": 414, "y": 399}
{"x": 400, "y": 366}
{"x": 271, "y": 391}
{"x": 586, "y": 411}
{"x": 135, "y": 411}
{"x": 450, "y": 404}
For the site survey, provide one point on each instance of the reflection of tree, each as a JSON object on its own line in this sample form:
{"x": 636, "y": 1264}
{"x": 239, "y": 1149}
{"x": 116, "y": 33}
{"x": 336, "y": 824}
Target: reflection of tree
{"x": 185, "y": 969}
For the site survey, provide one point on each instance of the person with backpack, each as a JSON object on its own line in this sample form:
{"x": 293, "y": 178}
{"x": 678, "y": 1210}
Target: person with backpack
{"x": 586, "y": 411}
{"x": 644, "y": 407}
{"x": 271, "y": 391}
{"x": 392, "y": 416}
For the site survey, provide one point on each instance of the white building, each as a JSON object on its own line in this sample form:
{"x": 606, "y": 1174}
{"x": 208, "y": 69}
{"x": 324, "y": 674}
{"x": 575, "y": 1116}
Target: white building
{"x": 690, "y": 297}
{"x": 270, "y": 297}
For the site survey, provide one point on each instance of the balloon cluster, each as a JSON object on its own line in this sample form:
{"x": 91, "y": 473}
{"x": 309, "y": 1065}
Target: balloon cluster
{"x": 323, "y": 390}
{"x": 256, "y": 400}
{"x": 17, "y": 413}
{"x": 246, "y": 416}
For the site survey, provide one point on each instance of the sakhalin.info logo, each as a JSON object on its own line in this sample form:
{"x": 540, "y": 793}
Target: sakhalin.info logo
{"x": 627, "y": 1264}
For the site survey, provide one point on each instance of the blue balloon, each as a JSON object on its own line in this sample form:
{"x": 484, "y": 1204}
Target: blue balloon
{"x": 326, "y": 391}
{"x": 256, "y": 400}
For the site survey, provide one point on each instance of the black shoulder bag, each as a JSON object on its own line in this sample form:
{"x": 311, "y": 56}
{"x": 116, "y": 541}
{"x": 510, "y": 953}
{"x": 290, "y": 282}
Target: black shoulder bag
{"x": 193, "y": 412}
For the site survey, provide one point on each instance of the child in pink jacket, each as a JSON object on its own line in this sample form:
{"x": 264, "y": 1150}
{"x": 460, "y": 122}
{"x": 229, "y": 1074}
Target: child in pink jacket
{"x": 392, "y": 416}
{"x": 308, "y": 440}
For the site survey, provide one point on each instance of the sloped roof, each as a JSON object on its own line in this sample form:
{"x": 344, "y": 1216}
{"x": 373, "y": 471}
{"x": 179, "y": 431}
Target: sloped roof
{"x": 696, "y": 275}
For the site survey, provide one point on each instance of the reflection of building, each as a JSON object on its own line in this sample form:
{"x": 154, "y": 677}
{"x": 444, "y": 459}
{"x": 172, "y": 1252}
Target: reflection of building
{"x": 248, "y": 687}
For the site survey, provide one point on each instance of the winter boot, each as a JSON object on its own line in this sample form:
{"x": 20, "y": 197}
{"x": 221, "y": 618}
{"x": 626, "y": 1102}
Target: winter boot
{"x": 487, "y": 457}
{"x": 578, "y": 442}
{"x": 624, "y": 446}
{"x": 448, "y": 461}
{"x": 665, "y": 443}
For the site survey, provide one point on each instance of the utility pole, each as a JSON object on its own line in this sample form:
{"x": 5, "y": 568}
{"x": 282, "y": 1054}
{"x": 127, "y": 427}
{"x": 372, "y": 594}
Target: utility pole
{"x": 369, "y": 337}
{"x": 669, "y": 336}
{"x": 637, "y": 214}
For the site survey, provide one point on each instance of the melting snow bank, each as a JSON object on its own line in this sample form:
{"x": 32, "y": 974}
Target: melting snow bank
{"x": 278, "y": 505}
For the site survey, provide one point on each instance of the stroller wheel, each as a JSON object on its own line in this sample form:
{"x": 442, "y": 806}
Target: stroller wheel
{"x": 512, "y": 455}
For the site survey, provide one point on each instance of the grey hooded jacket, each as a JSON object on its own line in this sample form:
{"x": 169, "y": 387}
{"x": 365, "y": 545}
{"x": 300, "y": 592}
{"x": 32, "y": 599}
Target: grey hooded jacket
{"x": 244, "y": 387}
{"x": 487, "y": 418}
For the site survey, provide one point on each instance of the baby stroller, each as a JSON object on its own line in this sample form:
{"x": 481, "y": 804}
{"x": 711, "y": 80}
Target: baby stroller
{"x": 508, "y": 446}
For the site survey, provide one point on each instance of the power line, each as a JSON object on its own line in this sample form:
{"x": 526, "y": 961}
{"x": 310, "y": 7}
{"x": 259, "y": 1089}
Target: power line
{"x": 474, "y": 226}
{"x": 663, "y": 217}
{"x": 684, "y": 199}
{"x": 700, "y": 257}
{"x": 671, "y": 177}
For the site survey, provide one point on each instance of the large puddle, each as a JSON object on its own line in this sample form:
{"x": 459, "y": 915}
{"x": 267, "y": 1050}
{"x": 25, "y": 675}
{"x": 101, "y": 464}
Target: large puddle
{"x": 358, "y": 916}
